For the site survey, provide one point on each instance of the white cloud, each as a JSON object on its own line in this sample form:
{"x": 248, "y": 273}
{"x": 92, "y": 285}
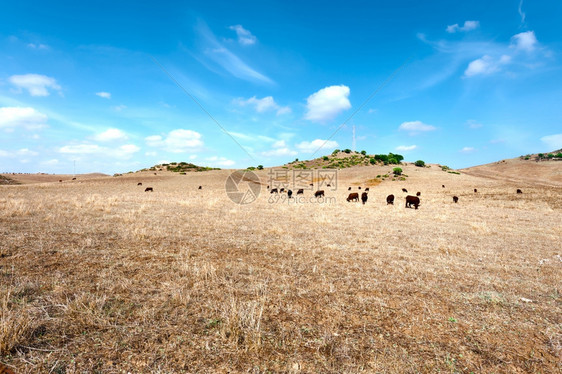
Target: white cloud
{"x": 119, "y": 108}
{"x": 279, "y": 144}
{"x": 327, "y": 103}
{"x": 23, "y": 152}
{"x": 553, "y": 141}
{"x": 124, "y": 151}
{"x": 37, "y": 46}
{"x": 473, "y": 124}
{"x": 80, "y": 149}
{"x": 105, "y": 95}
{"x": 26, "y": 152}
{"x": 245, "y": 37}
{"x": 415, "y": 126}
{"x": 467, "y": 149}
{"x": 521, "y": 13}
{"x": 177, "y": 141}
{"x": 264, "y": 105}
{"x": 220, "y": 161}
{"x": 406, "y": 147}
{"x": 313, "y": 146}
{"x": 50, "y": 162}
{"x": 151, "y": 153}
{"x": 35, "y": 84}
{"x": 486, "y": 65}
{"x": 192, "y": 157}
{"x": 524, "y": 41}
{"x": 110, "y": 134}
{"x": 28, "y": 118}
{"x": 468, "y": 25}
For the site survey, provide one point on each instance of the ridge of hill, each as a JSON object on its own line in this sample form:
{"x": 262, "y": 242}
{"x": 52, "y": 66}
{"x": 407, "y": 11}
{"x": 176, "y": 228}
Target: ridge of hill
{"x": 179, "y": 167}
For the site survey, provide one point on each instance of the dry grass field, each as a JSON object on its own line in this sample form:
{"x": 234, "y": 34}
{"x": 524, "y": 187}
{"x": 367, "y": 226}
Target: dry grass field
{"x": 97, "y": 276}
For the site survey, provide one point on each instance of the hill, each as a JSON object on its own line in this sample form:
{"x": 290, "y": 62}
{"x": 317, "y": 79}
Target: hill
{"x": 179, "y": 167}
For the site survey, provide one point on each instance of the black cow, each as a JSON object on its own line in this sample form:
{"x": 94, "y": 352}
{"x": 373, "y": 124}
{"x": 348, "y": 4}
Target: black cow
{"x": 282, "y": 190}
{"x": 60, "y": 180}
{"x": 475, "y": 190}
{"x": 519, "y": 191}
{"x": 139, "y": 184}
{"x": 73, "y": 179}
{"x": 300, "y": 191}
{"x": 443, "y": 185}
{"x": 328, "y": 185}
{"x": 359, "y": 187}
{"x": 412, "y": 200}
{"x": 200, "y": 188}
{"x": 148, "y": 189}
{"x": 418, "y": 193}
{"x": 289, "y": 193}
{"x": 349, "y": 189}
{"x": 455, "y": 199}
{"x": 354, "y": 196}
{"x": 319, "y": 193}
{"x": 367, "y": 189}
{"x": 404, "y": 190}
{"x": 274, "y": 190}
{"x": 364, "y": 197}
{"x": 268, "y": 186}
{"x": 390, "y": 199}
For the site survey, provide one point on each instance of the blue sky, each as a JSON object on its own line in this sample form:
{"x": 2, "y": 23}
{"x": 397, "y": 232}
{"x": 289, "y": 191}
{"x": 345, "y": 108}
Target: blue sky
{"x": 102, "y": 84}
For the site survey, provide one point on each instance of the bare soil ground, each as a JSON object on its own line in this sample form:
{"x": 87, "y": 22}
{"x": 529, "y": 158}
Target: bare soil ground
{"x": 101, "y": 277}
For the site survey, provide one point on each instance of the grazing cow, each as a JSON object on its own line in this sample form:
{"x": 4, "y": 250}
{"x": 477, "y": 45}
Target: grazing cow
{"x": 73, "y": 179}
{"x": 60, "y": 180}
{"x": 359, "y": 187}
{"x": 364, "y": 197}
{"x": 155, "y": 174}
{"x": 311, "y": 185}
{"x": 367, "y": 189}
{"x": 519, "y": 191}
{"x": 354, "y": 196}
{"x": 300, "y": 191}
{"x": 282, "y": 190}
{"x": 319, "y": 193}
{"x": 328, "y": 185}
{"x": 443, "y": 185}
{"x": 139, "y": 184}
{"x": 404, "y": 190}
{"x": 390, "y": 200}
{"x": 148, "y": 189}
{"x": 475, "y": 190}
{"x": 349, "y": 189}
{"x": 268, "y": 186}
{"x": 200, "y": 188}
{"x": 274, "y": 190}
{"x": 412, "y": 200}
{"x": 289, "y": 193}
{"x": 455, "y": 199}
{"x": 418, "y": 193}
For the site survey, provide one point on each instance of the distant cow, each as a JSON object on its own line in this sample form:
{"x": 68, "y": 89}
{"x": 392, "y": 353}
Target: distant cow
{"x": 148, "y": 189}
{"x": 200, "y": 188}
{"x": 319, "y": 193}
{"x": 349, "y": 189}
{"x": 139, "y": 184}
{"x": 289, "y": 193}
{"x": 359, "y": 187}
{"x": 60, "y": 180}
{"x": 282, "y": 190}
{"x": 311, "y": 185}
{"x": 418, "y": 193}
{"x": 364, "y": 197}
{"x": 475, "y": 190}
{"x": 155, "y": 174}
{"x": 404, "y": 190}
{"x": 354, "y": 196}
{"x": 412, "y": 200}
{"x": 390, "y": 199}
{"x": 519, "y": 191}
{"x": 443, "y": 185}
{"x": 328, "y": 185}
{"x": 274, "y": 190}
{"x": 268, "y": 186}
{"x": 367, "y": 189}
{"x": 300, "y": 191}
{"x": 455, "y": 199}
{"x": 73, "y": 179}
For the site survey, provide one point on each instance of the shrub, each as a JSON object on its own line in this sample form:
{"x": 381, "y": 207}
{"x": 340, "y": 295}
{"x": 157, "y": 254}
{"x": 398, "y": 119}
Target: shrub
{"x": 397, "y": 171}
{"x": 541, "y": 155}
{"x": 260, "y": 167}
{"x": 373, "y": 161}
{"x": 251, "y": 168}
{"x": 550, "y": 155}
{"x": 559, "y": 155}
{"x": 347, "y": 150}
{"x": 325, "y": 158}
{"x": 364, "y": 153}
{"x": 527, "y": 157}
{"x": 336, "y": 151}
{"x": 419, "y": 163}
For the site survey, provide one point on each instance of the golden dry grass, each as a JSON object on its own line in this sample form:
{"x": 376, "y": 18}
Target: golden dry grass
{"x": 99, "y": 276}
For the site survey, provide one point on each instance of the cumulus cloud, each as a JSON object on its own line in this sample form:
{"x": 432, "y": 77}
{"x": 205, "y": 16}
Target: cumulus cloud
{"x": 264, "y": 105}
{"x": 123, "y": 151}
{"x": 553, "y": 141}
{"x": 110, "y": 134}
{"x": 313, "y": 146}
{"x": 28, "y": 118}
{"x": 415, "y": 126}
{"x": 327, "y": 103}
{"x": 105, "y": 95}
{"x": 245, "y": 37}
{"x": 524, "y": 41}
{"x": 406, "y": 147}
{"x": 177, "y": 141}
{"x": 280, "y": 148}
{"x": 467, "y": 149}
{"x": 468, "y": 25}
{"x": 486, "y": 65}
{"x": 35, "y": 84}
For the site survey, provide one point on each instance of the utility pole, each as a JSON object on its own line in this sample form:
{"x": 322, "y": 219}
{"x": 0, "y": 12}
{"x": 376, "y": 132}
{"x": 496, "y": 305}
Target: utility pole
{"x": 74, "y": 173}
{"x": 353, "y": 141}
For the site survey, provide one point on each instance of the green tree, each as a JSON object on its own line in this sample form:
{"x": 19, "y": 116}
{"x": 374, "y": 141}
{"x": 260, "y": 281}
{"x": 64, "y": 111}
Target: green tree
{"x": 373, "y": 161}
{"x": 419, "y": 163}
{"x": 260, "y": 167}
{"x": 397, "y": 171}
{"x": 347, "y": 150}
{"x": 364, "y": 153}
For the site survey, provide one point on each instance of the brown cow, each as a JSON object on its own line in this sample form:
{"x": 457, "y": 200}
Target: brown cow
{"x": 519, "y": 191}
{"x": 148, "y": 189}
{"x": 418, "y": 193}
{"x": 455, "y": 199}
{"x": 404, "y": 190}
{"x": 412, "y": 200}
{"x": 354, "y": 196}
{"x": 139, "y": 184}
{"x": 60, "y": 180}
{"x": 364, "y": 197}
{"x": 390, "y": 199}
{"x": 274, "y": 190}
{"x": 367, "y": 189}
{"x": 73, "y": 179}
{"x": 319, "y": 193}
{"x": 300, "y": 191}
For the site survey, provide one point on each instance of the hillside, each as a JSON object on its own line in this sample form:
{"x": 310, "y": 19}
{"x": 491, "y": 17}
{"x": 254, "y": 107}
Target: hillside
{"x": 530, "y": 169}
{"x": 179, "y": 167}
